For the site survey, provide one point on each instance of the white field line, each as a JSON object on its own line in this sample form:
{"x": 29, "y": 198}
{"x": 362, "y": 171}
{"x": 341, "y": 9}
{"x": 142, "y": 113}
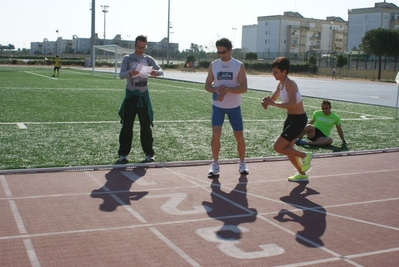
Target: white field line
{"x": 361, "y": 115}
{"x": 23, "y": 124}
{"x": 48, "y": 77}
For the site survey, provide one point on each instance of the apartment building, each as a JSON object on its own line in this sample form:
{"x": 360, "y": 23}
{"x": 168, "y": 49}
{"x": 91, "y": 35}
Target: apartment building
{"x": 78, "y": 45}
{"x": 360, "y": 20}
{"x": 292, "y": 33}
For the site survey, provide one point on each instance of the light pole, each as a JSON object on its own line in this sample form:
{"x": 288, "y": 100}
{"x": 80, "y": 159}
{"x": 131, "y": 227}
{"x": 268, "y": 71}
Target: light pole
{"x": 105, "y": 10}
{"x": 93, "y": 32}
{"x": 234, "y": 36}
{"x": 169, "y": 27}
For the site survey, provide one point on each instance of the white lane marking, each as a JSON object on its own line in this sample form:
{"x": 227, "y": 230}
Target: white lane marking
{"x": 30, "y": 250}
{"x": 31, "y": 253}
{"x": 170, "y": 244}
{"x": 117, "y": 199}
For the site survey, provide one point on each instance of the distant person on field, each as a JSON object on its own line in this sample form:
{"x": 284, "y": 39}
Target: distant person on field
{"x": 319, "y": 128}
{"x": 226, "y": 81}
{"x": 57, "y": 65}
{"x": 287, "y": 90}
{"x": 137, "y": 100}
{"x": 334, "y": 72}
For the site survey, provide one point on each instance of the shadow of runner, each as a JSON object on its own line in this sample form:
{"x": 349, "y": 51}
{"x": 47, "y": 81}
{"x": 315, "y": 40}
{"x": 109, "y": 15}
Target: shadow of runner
{"x": 333, "y": 148}
{"x": 313, "y": 219}
{"x": 116, "y": 191}
{"x": 230, "y": 208}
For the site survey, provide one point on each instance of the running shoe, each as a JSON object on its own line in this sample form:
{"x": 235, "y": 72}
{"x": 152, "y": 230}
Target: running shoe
{"x": 300, "y": 142}
{"x": 243, "y": 169}
{"x": 298, "y": 178}
{"x": 149, "y": 158}
{"x": 123, "y": 159}
{"x": 306, "y": 162}
{"x": 214, "y": 170}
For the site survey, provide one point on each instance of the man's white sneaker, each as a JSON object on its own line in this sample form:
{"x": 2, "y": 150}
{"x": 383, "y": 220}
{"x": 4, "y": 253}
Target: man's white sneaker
{"x": 214, "y": 170}
{"x": 243, "y": 169}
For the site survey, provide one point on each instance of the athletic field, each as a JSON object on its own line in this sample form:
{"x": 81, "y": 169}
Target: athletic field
{"x": 72, "y": 120}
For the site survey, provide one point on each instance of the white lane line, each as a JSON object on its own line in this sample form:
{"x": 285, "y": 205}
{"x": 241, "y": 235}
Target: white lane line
{"x": 21, "y": 126}
{"x": 20, "y": 224}
{"x": 31, "y": 253}
{"x": 170, "y": 244}
{"x": 117, "y": 199}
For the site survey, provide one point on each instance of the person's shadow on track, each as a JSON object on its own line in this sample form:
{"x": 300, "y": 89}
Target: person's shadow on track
{"x": 333, "y": 148}
{"x": 116, "y": 191}
{"x": 230, "y": 208}
{"x": 313, "y": 219}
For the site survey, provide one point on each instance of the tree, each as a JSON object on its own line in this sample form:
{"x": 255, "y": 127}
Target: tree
{"x": 312, "y": 60}
{"x": 251, "y": 56}
{"x": 190, "y": 57}
{"x": 341, "y": 61}
{"x": 381, "y": 42}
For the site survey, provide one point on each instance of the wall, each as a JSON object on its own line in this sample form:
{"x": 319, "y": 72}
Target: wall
{"x": 357, "y": 73}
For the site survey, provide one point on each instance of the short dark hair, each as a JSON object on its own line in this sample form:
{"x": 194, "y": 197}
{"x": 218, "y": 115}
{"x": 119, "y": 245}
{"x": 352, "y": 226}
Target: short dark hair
{"x": 224, "y": 42}
{"x": 326, "y": 102}
{"x": 282, "y": 63}
{"x": 141, "y": 38}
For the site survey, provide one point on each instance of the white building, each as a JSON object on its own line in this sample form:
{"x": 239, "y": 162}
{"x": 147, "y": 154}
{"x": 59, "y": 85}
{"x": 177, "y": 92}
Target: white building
{"x": 382, "y": 15}
{"x": 249, "y": 37}
{"x": 292, "y": 33}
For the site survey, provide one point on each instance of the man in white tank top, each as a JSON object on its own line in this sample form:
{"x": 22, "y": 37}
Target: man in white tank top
{"x": 226, "y": 81}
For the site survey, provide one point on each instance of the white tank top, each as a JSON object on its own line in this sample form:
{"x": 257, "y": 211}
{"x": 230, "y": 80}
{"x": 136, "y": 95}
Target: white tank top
{"x": 226, "y": 73}
{"x": 284, "y": 94}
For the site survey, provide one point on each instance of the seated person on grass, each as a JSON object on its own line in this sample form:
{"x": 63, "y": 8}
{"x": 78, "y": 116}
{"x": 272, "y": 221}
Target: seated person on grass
{"x": 319, "y": 128}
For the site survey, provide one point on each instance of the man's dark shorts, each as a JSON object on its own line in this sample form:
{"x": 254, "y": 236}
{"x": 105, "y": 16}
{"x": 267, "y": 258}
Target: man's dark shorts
{"x": 317, "y": 134}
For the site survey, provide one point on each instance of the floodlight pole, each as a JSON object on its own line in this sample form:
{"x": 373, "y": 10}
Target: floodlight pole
{"x": 234, "y": 36}
{"x": 93, "y": 31}
{"x": 105, "y": 10}
{"x": 167, "y": 45}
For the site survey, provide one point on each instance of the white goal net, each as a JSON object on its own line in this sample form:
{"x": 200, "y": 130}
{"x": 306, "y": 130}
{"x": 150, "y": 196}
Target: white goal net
{"x": 108, "y": 58}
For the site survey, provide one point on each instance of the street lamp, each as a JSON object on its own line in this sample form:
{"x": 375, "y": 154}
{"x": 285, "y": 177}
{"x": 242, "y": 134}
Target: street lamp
{"x": 105, "y": 10}
{"x": 234, "y": 36}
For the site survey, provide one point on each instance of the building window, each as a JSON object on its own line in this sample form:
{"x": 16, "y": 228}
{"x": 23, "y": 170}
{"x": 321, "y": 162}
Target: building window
{"x": 267, "y": 23}
{"x": 266, "y": 32}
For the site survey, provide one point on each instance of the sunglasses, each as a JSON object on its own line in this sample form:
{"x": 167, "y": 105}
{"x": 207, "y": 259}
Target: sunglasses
{"x": 141, "y": 47}
{"x": 222, "y": 52}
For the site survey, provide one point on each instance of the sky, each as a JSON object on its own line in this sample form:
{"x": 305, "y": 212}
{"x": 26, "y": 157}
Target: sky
{"x": 201, "y": 22}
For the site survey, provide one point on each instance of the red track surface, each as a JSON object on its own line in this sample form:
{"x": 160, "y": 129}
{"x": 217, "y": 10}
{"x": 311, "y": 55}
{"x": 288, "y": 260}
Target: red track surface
{"x": 175, "y": 216}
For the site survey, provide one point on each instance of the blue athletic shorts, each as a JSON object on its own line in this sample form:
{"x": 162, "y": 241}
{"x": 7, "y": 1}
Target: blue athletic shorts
{"x": 234, "y": 115}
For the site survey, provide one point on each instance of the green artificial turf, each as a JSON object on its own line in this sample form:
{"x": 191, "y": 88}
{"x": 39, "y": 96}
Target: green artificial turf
{"x": 73, "y": 120}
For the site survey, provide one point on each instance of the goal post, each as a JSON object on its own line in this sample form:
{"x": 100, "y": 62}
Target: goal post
{"x": 109, "y": 54}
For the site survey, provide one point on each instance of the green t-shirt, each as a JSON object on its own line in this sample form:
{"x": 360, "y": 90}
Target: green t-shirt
{"x": 325, "y": 122}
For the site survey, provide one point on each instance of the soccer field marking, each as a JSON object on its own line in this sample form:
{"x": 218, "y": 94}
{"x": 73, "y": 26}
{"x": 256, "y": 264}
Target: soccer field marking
{"x": 90, "y": 74}
{"x": 52, "y": 78}
{"x": 21, "y": 126}
{"x": 159, "y": 121}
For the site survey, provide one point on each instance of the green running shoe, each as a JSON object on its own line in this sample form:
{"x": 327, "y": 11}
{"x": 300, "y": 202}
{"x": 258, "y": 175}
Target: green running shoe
{"x": 306, "y": 162}
{"x": 298, "y": 178}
